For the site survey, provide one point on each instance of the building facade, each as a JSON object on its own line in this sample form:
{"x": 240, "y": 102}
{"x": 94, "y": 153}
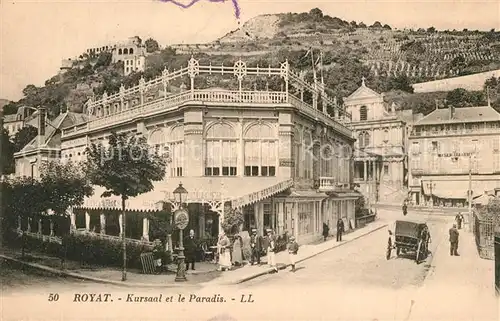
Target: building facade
{"x": 284, "y": 162}
{"x": 445, "y": 146}
{"x": 132, "y": 53}
{"x": 380, "y": 166}
{"x": 15, "y": 122}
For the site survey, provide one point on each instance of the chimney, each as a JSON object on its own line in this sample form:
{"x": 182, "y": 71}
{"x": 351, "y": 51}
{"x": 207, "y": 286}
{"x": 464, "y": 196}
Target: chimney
{"x": 452, "y": 111}
{"x": 41, "y": 125}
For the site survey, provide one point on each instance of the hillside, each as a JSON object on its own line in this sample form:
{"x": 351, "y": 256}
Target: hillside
{"x": 391, "y": 60}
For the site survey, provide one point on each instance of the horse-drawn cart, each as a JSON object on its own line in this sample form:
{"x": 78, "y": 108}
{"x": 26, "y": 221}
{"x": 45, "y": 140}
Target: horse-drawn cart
{"x": 408, "y": 236}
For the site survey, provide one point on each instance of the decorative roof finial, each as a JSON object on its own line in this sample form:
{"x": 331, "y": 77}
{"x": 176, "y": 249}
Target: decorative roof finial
{"x": 363, "y": 81}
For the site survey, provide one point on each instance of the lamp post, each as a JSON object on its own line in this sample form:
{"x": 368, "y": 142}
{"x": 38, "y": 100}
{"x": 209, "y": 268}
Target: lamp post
{"x": 181, "y": 220}
{"x": 431, "y": 185}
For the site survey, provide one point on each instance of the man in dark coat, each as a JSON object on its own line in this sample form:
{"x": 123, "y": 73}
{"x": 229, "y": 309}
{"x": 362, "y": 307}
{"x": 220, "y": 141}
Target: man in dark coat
{"x": 190, "y": 250}
{"x": 459, "y": 219}
{"x": 454, "y": 240}
{"x": 326, "y": 231}
{"x": 256, "y": 246}
{"x": 405, "y": 209}
{"x": 340, "y": 229}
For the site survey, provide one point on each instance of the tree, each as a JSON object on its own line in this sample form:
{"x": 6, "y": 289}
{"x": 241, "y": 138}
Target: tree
{"x": 431, "y": 29}
{"x": 376, "y": 25}
{"x": 353, "y": 24}
{"x": 316, "y": 13}
{"x": 103, "y": 60}
{"x": 6, "y": 153}
{"x": 24, "y": 136}
{"x": 66, "y": 185}
{"x": 29, "y": 90}
{"x": 233, "y": 218}
{"x": 151, "y": 45}
{"x": 401, "y": 82}
{"x": 126, "y": 168}
{"x": 387, "y": 27}
{"x": 361, "y": 25}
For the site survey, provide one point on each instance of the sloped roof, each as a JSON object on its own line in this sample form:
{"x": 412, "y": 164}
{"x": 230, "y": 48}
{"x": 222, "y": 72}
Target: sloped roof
{"x": 461, "y": 115}
{"x": 62, "y": 120}
{"x": 363, "y": 92}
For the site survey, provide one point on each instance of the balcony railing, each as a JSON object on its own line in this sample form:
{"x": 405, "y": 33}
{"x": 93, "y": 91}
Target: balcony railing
{"x": 327, "y": 184}
{"x": 225, "y": 97}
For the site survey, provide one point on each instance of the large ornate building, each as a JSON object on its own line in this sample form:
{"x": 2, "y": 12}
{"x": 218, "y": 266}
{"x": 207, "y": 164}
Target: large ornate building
{"x": 445, "y": 146}
{"x": 280, "y": 159}
{"x": 380, "y": 166}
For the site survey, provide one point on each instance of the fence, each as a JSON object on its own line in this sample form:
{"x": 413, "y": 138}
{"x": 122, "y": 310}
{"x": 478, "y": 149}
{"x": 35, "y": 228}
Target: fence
{"x": 497, "y": 263}
{"x": 484, "y": 232}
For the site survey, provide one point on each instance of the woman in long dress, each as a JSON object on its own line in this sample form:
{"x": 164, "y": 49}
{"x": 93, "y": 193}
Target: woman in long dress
{"x": 237, "y": 255}
{"x": 224, "y": 251}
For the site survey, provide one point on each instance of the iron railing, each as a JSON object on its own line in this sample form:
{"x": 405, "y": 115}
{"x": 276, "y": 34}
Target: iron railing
{"x": 484, "y": 231}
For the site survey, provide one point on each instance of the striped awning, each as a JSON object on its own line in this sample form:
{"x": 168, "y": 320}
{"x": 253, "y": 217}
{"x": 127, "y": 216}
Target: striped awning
{"x": 240, "y": 191}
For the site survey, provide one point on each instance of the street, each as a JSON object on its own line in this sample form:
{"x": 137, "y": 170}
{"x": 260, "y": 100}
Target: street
{"x": 351, "y": 282}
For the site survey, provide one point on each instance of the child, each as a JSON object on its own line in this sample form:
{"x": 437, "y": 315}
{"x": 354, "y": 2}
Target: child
{"x": 293, "y": 248}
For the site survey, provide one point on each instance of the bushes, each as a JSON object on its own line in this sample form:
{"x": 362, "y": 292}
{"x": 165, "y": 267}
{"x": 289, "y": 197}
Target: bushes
{"x": 87, "y": 249}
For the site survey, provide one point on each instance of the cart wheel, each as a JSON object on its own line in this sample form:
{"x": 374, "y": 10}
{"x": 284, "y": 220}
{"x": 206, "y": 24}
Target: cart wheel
{"x": 419, "y": 251}
{"x": 389, "y": 248}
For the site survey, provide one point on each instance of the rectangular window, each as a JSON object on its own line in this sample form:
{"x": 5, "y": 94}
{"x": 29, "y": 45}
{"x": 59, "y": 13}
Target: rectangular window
{"x": 435, "y": 146}
{"x": 177, "y": 156}
{"x": 221, "y": 157}
{"x": 386, "y": 169}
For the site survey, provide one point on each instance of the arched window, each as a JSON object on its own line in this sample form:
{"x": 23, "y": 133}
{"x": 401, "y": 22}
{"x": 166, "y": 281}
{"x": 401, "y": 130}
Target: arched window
{"x": 364, "y": 140}
{"x": 131, "y": 51}
{"x": 260, "y": 151}
{"x": 363, "y": 113}
{"x": 125, "y": 51}
{"x": 386, "y": 135}
{"x": 119, "y": 51}
{"x": 157, "y": 140}
{"x": 221, "y": 151}
{"x": 176, "y": 150}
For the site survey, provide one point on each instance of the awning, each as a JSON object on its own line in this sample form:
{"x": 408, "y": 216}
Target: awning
{"x": 457, "y": 189}
{"x": 483, "y": 199}
{"x": 240, "y": 190}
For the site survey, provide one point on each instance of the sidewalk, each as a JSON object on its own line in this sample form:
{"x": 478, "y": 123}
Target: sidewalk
{"x": 249, "y": 272}
{"x": 458, "y": 288}
{"x": 205, "y": 273}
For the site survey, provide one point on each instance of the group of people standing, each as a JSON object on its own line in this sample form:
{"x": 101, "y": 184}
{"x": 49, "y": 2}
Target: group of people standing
{"x": 258, "y": 245}
{"x": 340, "y": 230}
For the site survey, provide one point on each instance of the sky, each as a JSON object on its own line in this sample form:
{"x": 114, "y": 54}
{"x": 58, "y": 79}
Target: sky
{"x": 36, "y": 36}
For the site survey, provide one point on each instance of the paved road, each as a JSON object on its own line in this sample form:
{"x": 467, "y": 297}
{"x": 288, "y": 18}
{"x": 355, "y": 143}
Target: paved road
{"x": 352, "y": 282}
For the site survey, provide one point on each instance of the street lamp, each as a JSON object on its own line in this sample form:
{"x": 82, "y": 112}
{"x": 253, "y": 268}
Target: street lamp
{"x": 430, "y": 186}
{"x": 181, "y": 217}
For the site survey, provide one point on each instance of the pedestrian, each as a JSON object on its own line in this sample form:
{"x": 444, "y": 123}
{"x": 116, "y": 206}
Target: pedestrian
{"x": 237, "y": 257}
{"x": 190, "y": 250}
{"x": 326, "y": 231}
{"x": 459, "y": 219}
{"x": 158, "y": 251}
{"x": 256, "y": 246}
{"x": 293, "y": 248}
{"x": 224, "y": 252}
{"x": 271, "y": 255}
{"x": 454, "y": 241}
{"x": 340, "y": 229}
{"x": 405, "y": 209}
